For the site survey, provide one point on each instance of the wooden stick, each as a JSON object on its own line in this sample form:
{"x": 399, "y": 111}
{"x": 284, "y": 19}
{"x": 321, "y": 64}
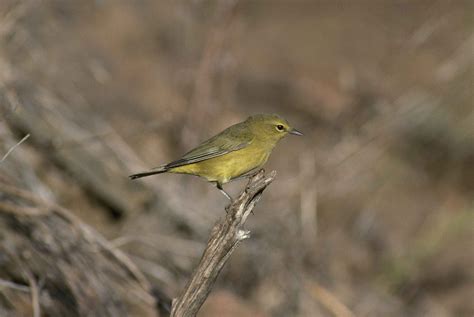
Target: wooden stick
{"x": 225, "y": 237}
{"x": 14, "y": 147}
{"x": 34, "y": 294}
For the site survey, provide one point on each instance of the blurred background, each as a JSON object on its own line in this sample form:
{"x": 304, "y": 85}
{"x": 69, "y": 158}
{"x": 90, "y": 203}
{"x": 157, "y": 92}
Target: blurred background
{"x": 372, "y": 211}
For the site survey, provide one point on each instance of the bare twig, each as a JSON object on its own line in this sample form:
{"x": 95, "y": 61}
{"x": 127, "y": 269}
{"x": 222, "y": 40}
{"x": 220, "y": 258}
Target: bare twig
{"x": 153, "y": 269}
{"x": 14, "y": 147}
{"x": 328, "y": 300}
{"x": 308, "y": 197}
{"x": 15, "y": 286}
{"x": 225, "y": 237}
{"x": 178, "y": 246}
{"x": 34, "y": 294}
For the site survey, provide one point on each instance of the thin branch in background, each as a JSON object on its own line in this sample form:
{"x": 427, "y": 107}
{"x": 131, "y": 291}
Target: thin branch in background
{"x": 328, "y": 300}
{"x": 308, "y": 197}
{"x": 34, "y": 294}
{"x": 123, "y": 151}
{"x": 15, "y": 286}
{"x": 153, "y": 269}
{"x": 174, "y": 245}
{"x": 104, "y": 133}
{"x": 458, "y": 62}
{"x": 14, "y": 147}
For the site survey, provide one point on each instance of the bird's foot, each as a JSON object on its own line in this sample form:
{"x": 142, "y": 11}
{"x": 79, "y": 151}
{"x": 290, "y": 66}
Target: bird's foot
{"x": 219, "y": 187}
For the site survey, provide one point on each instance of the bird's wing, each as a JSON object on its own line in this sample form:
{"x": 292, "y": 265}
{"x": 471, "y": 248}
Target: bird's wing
{"x": 232, "y": 139}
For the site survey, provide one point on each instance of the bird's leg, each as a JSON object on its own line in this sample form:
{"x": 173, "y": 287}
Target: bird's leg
{"x": 219, "y": 187}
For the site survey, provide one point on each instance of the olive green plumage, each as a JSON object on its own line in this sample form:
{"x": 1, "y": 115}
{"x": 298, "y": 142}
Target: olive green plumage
{"x": 236, "y": 151}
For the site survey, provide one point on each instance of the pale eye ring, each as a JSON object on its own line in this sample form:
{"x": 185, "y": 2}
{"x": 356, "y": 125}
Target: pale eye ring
{"x": 280, "y": 127}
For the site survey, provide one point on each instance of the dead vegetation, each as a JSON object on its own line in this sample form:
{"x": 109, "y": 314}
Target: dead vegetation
{"x": 371, "y": 213}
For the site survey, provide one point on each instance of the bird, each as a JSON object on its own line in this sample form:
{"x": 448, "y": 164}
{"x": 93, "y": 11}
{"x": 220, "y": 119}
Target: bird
{"x": 238, "y": 151}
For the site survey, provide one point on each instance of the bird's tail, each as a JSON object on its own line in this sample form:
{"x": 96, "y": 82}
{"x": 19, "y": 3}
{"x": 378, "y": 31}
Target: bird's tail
{"x": 157, "y": 170}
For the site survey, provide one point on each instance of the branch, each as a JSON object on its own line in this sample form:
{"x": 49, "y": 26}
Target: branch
{"x": 14, "y": 147}
{"x": 225, "y": 237}
{"x": 34, "y": 294}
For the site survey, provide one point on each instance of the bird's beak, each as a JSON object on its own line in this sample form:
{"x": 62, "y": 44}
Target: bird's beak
{"x": 295, "y": 132}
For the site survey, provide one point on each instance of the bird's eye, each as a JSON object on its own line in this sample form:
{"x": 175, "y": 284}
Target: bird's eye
{"x": 280, "y": 127}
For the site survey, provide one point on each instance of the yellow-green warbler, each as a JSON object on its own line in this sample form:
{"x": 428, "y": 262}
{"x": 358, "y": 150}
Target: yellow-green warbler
{"x": 237, "y": 151}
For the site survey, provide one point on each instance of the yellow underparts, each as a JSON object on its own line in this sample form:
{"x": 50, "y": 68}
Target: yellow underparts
{"x": 224, "y": 168}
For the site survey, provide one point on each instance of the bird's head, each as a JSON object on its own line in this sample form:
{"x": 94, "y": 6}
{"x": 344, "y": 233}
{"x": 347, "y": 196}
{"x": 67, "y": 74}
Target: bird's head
{"x": 271, "y": 127}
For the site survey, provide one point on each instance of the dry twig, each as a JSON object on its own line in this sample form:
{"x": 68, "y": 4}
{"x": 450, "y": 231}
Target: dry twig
{"x": 14, "y": 147}
{"x": 225, "y": 237}
{"x": 328, "y": 300}
{"x": 34, "y": 294}
{"x": 12, "y": 285}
